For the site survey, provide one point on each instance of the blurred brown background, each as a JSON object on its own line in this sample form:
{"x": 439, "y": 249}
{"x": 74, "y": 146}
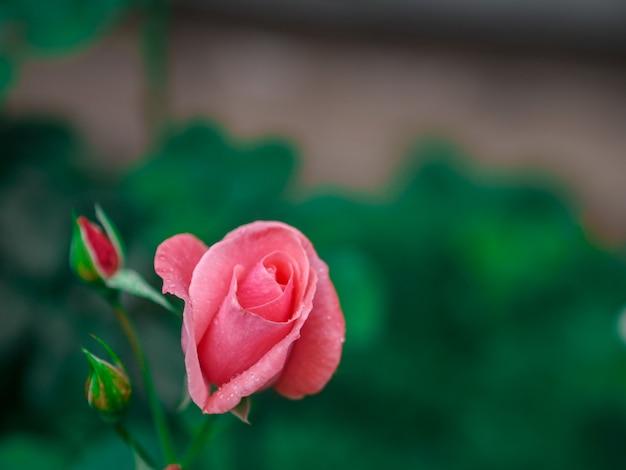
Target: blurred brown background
{"x": 527, "y": 86}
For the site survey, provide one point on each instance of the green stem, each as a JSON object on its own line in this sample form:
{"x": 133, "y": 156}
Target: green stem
{"x": 198, "y": 442}
{"x": 134, "y": 445}
{"x": 153, "y": 400}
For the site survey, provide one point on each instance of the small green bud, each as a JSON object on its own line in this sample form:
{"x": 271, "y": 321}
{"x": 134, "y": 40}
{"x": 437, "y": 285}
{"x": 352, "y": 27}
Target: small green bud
{"x": 107, "y": 388}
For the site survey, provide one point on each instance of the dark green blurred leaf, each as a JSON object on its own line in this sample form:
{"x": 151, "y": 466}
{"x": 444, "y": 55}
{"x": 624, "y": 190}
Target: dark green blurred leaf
{"x": 24, "y": 451}
{"x": 207, "y": 183}
{"x": 59, "y": 25}
{"x": 7, "y": 74}
{"x": 362, "y": 292}
{"x": 104, "y": 452}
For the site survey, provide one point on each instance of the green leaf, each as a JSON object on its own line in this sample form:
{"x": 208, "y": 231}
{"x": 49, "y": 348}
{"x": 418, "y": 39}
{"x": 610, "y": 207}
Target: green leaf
{"x": 131, "y": 282}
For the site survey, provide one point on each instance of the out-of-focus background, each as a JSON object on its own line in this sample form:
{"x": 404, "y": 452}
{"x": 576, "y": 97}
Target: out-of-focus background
{"x": 461, "y": 166}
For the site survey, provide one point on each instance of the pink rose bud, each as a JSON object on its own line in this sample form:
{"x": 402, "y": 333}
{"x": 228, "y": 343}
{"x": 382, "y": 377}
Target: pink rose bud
{"x": 173, "y": 466}
{"x": 107, "y": 388}
{"x": 95, "y": 255}
{"x": 260, "y": 311}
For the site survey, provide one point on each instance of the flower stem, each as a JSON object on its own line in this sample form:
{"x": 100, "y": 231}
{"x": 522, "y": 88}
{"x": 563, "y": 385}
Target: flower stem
{"x": 134, "y": 445}
{"x": 198, "y": 442}
{"x": 158, "y": 416}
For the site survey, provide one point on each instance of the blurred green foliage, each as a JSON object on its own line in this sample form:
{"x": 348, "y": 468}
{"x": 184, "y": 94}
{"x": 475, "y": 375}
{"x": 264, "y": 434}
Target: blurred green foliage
{"x": 481, "y": 322}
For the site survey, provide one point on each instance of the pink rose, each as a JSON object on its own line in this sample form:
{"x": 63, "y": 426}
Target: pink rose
{"x": 260, "y": 311}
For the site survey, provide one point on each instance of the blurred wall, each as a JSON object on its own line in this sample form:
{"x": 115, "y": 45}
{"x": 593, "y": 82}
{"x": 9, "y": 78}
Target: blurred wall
{"x": 355, "y": 104}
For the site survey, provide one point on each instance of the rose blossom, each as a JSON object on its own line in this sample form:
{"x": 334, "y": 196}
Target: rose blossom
{"x": 260, "y": 311}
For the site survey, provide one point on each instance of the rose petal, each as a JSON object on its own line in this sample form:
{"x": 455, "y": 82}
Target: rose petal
{"x": 245, "y": 246}
{"x": 175, "y": 260}
{"x": 258, "y": 287}
{"x": 199, "y": 388}
{"x": 315, "y": 356}
{"x": 267, "y": 290}
{"x": 262, "y": 237}
{"x": 265, "y": 370}
{"x": 236, "y": 339}
{"x": 279, "y": 309}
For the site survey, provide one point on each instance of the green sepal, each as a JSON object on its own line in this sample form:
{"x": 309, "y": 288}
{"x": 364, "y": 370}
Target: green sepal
{"x": 81, "y": 259}
{"x": 112, "y": 233}
{"x": 131, "y": 282}
{"x": 242, "y": 410}
{"x": 140, "y": 463}
{"x": 116, "y": 359}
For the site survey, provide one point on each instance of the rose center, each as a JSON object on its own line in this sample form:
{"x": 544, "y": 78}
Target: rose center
{"x": 267, "y": 288}
{"x": 279, "y": 271}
